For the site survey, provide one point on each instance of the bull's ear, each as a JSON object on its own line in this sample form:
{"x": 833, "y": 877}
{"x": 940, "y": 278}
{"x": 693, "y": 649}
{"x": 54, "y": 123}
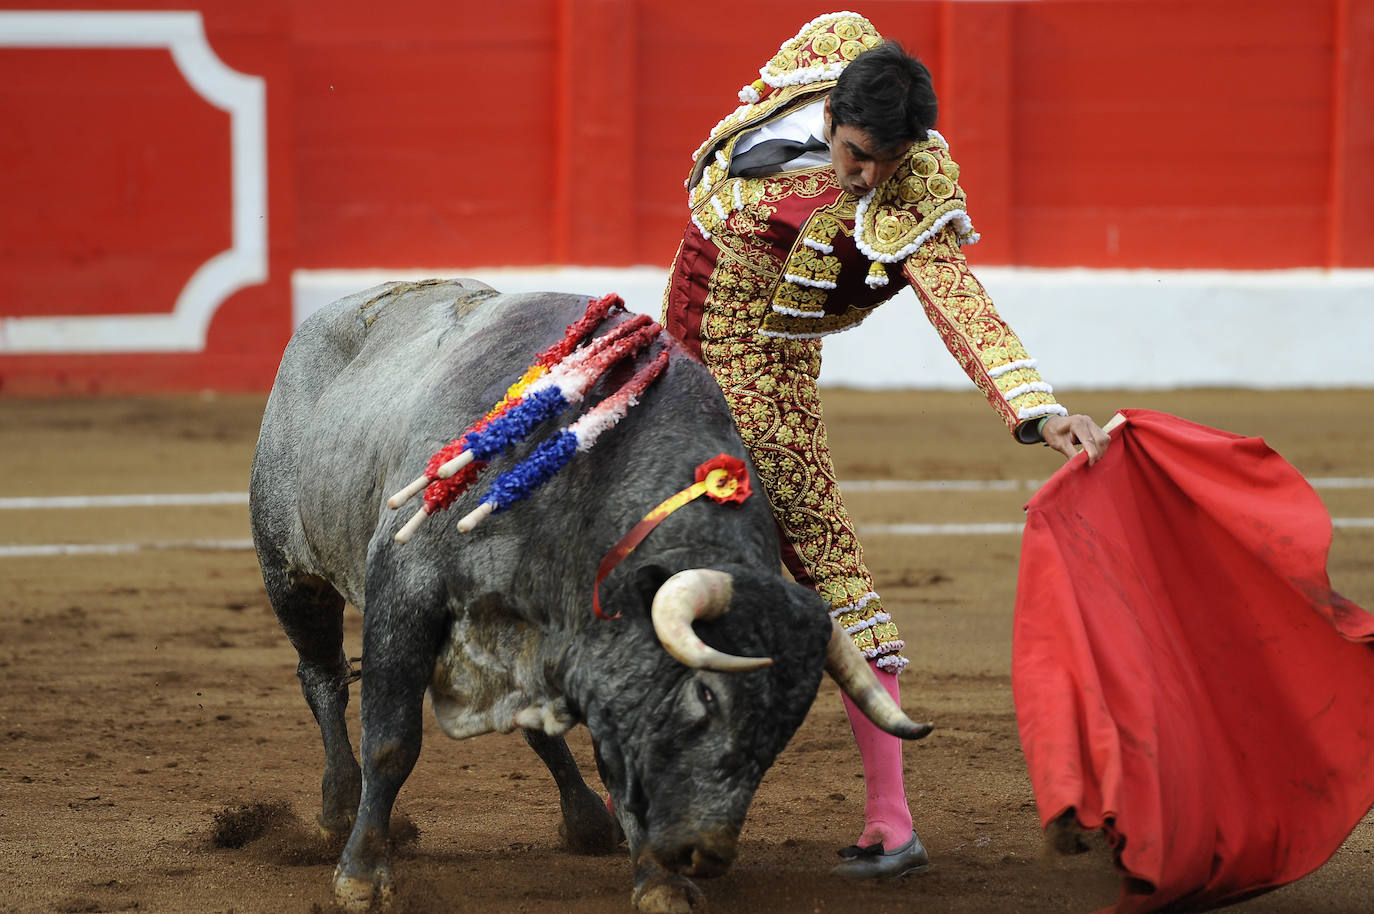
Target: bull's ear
{"x": 647, "y": 580}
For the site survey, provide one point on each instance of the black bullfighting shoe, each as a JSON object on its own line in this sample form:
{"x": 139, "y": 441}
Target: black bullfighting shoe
{"x": 872, "y": 862}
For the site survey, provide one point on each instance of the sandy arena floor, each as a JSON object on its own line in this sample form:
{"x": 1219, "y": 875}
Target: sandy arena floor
{"x": 156, "y": 755}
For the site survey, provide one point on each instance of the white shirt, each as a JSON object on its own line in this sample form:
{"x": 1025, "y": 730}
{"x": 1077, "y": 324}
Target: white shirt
{"x": 799, "y": 126}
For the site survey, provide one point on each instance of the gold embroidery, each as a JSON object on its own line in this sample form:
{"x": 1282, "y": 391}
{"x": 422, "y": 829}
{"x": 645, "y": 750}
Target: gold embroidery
{"x": 963, "y": 314}
{"x": 908, "y": 208}
{"x": 911, "y": 189}
{"x": 782, "y": 325}
{"x": 770, "y": 386}
{"x": 803, "y": 69}
{"x": 800, "y": 298}
{"x": 923, "y": 164}
{"x": 813, "y": 267}
{"x": 809, "y": 183}
{"x": 851, "y": 49}
{"x": 822, "y": 228}
{"x": 849, "y": 29}
{"x": 816, "y": 44}
{"x": 825, "y": 45}
{"x": 892, "y": 225}
{"x": 940, "y": 187}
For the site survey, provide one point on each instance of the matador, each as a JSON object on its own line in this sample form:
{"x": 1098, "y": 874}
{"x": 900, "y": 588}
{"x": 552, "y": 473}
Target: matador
{"x": 820, "y": 197}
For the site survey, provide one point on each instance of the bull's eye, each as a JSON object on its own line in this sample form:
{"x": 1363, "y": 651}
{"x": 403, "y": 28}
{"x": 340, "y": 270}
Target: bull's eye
{"x": 707, "y": 697}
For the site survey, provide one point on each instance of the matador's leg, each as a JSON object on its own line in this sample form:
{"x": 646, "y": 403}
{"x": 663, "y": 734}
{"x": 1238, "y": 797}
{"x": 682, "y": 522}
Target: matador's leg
{"x": 770, "y": 386}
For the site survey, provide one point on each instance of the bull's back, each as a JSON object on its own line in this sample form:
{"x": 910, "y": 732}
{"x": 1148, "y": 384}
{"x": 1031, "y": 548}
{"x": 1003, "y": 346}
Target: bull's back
{"x": 367, "y": 389}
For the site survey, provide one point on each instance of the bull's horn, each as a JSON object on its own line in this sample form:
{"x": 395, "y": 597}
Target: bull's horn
{"x": 698, "y": 593}
{"x": 847, "y": 666}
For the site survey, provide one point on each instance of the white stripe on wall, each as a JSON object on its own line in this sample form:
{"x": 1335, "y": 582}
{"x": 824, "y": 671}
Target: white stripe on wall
{"x": 1083, "y": 326}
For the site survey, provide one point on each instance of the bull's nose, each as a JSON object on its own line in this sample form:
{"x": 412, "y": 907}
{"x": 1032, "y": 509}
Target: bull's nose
{"x": 709, "y": 855}
{"x": 706, "y": 862}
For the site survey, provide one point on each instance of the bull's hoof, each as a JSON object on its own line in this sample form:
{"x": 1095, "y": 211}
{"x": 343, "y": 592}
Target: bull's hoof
{"x": 588, "y": 826}
{"x": 334, "y": 829}
{"x": 668, "y": 894}
{"x": 358, "y": 896}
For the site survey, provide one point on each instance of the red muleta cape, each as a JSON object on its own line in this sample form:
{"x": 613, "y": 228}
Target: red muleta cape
{"x": 1184, "y": 676}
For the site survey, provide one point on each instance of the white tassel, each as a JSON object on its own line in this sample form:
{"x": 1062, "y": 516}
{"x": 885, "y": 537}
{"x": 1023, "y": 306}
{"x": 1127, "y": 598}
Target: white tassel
{"x": 475, "y": 517}
{"x": 453, "y": 466}
{"x": 408, "y": 492}
{"x": 405, "y": 533}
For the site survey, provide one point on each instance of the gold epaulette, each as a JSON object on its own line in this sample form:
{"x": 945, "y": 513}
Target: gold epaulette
{"x": 908, "y": 209}
{"x": 919, "y": 201}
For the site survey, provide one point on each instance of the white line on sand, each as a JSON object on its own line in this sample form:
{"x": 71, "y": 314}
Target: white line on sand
{"x": 40, "y": 550}
{"x": 200, "y": 499}
{"x": 155, "y": 500}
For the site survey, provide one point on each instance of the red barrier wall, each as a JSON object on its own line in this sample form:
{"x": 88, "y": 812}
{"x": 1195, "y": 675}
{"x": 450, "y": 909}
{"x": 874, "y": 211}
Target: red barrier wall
{"x": 1233, "y": 134}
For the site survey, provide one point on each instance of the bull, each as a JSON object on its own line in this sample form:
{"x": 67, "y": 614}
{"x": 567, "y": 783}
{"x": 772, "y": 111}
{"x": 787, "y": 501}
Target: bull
{"x": 495, "y": 624}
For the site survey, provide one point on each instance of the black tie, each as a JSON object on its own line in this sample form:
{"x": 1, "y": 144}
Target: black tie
{"x": 768, "y": 157}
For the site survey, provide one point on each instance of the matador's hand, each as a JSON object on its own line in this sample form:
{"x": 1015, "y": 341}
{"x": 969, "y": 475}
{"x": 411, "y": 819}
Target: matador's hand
{"x": 1067, "y": 433}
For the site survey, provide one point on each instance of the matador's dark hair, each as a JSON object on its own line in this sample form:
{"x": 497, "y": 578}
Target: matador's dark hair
{"x": 888, "y": 95}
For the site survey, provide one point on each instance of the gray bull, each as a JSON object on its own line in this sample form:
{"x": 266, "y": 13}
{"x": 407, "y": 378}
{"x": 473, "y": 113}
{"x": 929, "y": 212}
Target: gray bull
{"x": 497, "y": 624}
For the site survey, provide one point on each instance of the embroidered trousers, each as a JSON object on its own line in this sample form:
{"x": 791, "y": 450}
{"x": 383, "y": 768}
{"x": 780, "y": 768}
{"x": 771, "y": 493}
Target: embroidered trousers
{"x": 770, "y": 385}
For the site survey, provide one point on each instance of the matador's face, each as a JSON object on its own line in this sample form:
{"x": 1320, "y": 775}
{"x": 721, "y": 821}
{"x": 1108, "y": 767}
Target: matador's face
{"x": 859, "y": 164}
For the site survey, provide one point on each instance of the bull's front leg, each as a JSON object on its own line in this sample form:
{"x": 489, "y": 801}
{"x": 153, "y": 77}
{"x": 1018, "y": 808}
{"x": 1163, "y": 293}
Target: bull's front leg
{"x": 588, "y": 826}
{"x": 400, "y": 645}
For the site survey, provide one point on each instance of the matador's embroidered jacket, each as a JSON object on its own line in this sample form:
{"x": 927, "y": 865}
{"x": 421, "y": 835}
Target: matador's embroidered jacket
{"x": 769, "y": 265}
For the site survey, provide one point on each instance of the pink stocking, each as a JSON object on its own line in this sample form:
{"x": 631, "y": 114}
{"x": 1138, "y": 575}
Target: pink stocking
{"x": 887, "y": 820}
